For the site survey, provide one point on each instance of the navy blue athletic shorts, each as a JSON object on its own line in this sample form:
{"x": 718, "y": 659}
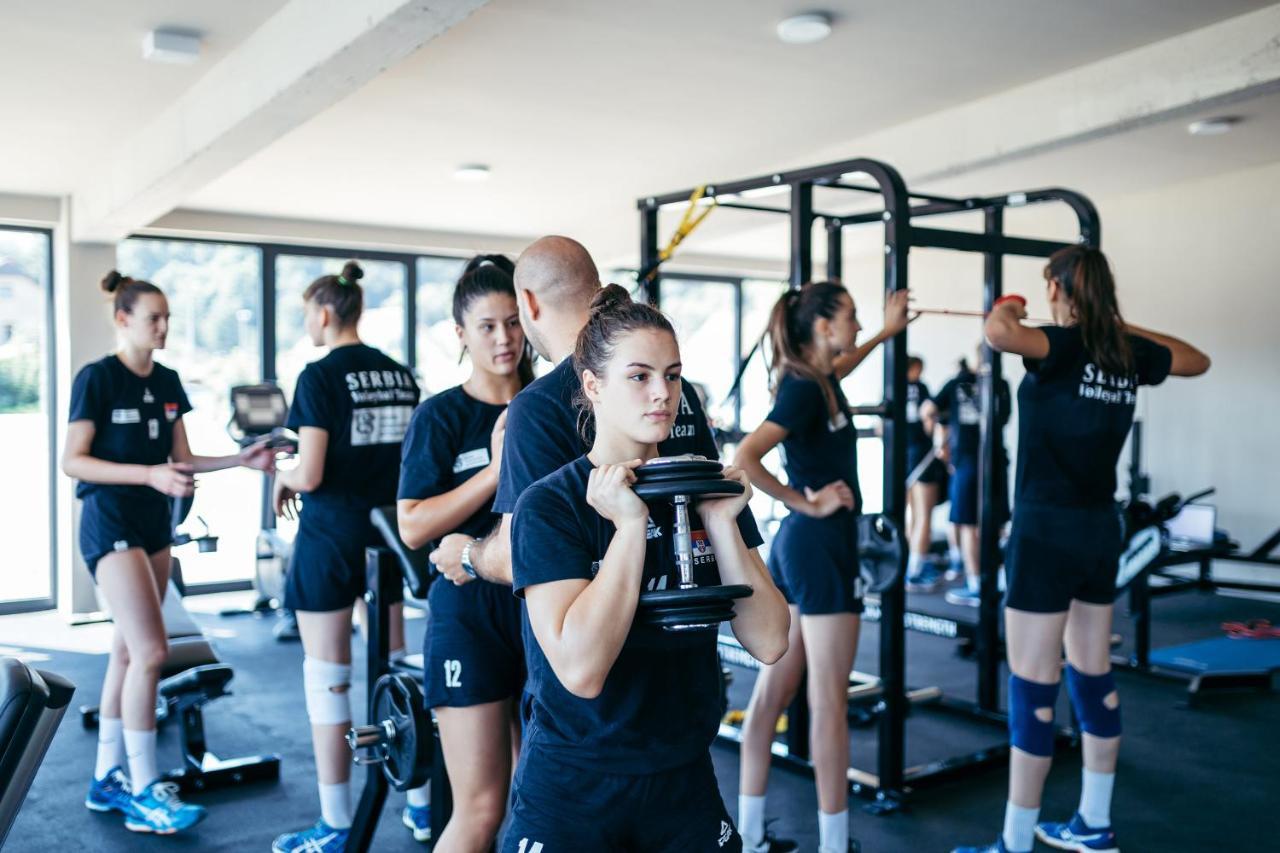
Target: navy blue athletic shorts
{"x": 327, "y": 568}
{"x": 814, "y": 562}
{"x": 109, "y": 523}
{"x": 474, "y": 651}
{"x": 559, "y": 808}
{"x": 1059, "y": 554}
{"x": 963, "y": 492}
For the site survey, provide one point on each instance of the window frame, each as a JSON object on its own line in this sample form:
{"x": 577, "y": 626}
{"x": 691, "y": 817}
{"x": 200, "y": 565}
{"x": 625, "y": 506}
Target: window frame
{"x": 30, "y": 605}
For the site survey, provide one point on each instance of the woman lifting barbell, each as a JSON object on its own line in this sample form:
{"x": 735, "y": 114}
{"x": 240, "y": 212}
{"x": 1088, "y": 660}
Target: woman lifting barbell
{"x": 620, "y": 716}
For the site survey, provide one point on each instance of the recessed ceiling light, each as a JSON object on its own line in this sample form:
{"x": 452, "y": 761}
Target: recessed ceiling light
{"x": 805, "y": 29}
{"x": 471, "y": 172}
{"x": 1212, "y": 126}
{"x": 175, "y": 47}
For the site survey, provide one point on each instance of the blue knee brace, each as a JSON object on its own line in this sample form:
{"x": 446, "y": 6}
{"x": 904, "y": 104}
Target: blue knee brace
{"x": 1088, "y": 694}
{"x": 1027, "y": 731}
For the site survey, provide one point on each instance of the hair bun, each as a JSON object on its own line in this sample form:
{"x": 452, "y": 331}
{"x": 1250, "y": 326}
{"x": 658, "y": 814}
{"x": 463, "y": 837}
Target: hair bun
{"x": 352, "y": 272}
{"x": 502, "y": 262}
{"x": 111, "y": 281}
{"x": 609, "y": 298}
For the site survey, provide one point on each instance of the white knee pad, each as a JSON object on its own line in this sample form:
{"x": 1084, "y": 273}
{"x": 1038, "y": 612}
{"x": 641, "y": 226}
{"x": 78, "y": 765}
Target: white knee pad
{"x": 328, "y": 687}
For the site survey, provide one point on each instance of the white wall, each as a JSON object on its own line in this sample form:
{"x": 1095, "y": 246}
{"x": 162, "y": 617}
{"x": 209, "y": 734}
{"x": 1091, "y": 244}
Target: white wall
{"x": 1198, "y": 260}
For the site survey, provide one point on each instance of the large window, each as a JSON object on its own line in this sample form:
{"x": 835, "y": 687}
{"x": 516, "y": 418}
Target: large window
{"x": 438, "y": 364}
{"x": 26, "y": 511}
{"x": 214, "y": 292}
{"x": 703, "y": 312}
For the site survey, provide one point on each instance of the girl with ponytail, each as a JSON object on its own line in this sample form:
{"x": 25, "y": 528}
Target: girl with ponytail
{"x": 127, "y": 447}
{"x": 620, "y": 717}
{"x": 1076, "y": 406}
{"x": 814, "y": 557}
{"x": 473, "y": 652}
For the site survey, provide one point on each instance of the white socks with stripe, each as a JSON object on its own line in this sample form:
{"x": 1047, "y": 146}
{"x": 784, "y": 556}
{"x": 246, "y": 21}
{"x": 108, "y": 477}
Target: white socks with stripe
{"x": 1019, "y": 828}
{"x": 111, "y": 753}
{"x": 140, "y": 748}
{"x": 1095, "y": 798}
{"x": 335, "y": 804}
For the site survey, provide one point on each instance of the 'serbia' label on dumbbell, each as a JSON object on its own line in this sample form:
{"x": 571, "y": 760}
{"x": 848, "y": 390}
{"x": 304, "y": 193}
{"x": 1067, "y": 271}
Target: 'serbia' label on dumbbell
{"x": 702, "y": 551}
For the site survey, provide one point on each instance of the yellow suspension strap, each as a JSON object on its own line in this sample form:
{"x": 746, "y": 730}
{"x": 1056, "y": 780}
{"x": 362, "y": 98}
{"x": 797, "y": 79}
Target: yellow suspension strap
{"x": 692, "y": 218}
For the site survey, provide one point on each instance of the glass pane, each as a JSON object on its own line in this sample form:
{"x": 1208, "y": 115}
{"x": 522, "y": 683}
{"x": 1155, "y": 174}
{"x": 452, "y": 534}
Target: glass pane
{"x": 24, "y": 415}
{"x": 758, "y": 298}
{"x": 703, "y": 314}
{"x": 214, "y": 330}
{"x": 437, "y": 342}
{"x": 381, "y": 324}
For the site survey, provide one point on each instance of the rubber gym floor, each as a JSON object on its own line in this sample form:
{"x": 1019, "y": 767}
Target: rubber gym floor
{"x": 1202, "y": 778}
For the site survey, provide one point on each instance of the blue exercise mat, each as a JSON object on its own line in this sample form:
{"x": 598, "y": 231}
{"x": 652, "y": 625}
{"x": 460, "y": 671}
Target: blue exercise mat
{"x": 1221, "y": 656}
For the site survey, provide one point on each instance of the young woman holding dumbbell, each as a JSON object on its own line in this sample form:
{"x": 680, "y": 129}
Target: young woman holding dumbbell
{"x": 619, "y": 715}
{"x": 1075, "y": 407}
{"x": 814, "y": 557}
{"x": 127, "y": 447}
{"x": 473, "y": 653}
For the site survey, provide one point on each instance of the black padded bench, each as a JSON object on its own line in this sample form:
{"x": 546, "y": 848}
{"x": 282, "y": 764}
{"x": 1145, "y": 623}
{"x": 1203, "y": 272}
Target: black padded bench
{"x": 32, "y": 703}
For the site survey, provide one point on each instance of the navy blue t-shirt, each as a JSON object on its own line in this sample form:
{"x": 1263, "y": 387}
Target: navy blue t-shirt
{"x": 1073, "y": 419}
{"x": 917, "y": 439}
{"x": 542, "y": 432}
{"x": 448, "y": 444}
{"x": 660, "y": 705}
{"x": 960, "y": 408}
{"x": 819, "y": 448}
{"x": 364, "y": 399}
{"x": 133, "y": 418}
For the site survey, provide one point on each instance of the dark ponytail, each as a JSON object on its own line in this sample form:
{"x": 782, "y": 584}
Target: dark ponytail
{"x": 791, "y": 329}
{"x": 341, "y": 293}
{"x": 485, "y": 274}
{"x": 613, "y": 314}
{"x": 125, "y": 290}
{"x": 1085, "y": 277}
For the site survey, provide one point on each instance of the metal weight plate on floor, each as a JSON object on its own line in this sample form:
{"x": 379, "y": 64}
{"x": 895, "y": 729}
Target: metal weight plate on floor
{"x": 880, "y": 551}
{"x": 407, "y": 755}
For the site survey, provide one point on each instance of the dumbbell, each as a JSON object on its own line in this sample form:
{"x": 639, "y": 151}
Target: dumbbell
{"x": 688, "y": 607}
{"x": 400, "y": 737}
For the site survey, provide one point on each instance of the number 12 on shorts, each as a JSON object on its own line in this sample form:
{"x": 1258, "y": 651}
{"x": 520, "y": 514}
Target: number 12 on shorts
{"x": 525, "y": 848}
{"x": 453, "y": 676}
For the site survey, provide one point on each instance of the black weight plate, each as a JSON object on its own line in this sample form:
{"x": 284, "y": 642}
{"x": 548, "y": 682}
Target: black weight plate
{"x": 686, "y": 470}
{"x": 880, "y": 551}
{"x": 675, "y": 464}
{"x": 407, "y": 757}
{"x": 694, "y": 597}
{"x": 708, "y": 488}
{"x": 667, "y": 616}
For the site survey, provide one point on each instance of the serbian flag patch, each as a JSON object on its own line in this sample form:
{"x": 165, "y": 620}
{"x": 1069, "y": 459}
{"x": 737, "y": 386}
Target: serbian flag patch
{"x": 170, "y": 411}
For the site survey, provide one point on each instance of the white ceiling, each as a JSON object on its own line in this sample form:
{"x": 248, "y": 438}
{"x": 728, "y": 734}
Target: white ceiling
{"x": 72, "y": 76}
{"x": 578, "y": 107}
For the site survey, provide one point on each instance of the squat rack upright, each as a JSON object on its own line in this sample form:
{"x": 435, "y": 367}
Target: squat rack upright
{"x": 893, "y": 779}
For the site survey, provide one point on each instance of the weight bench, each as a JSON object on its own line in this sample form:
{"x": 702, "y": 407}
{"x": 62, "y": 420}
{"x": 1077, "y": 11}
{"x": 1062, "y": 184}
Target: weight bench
{"x": 192, "y": 676}
{"x": 388, "y": 568}
{"x": 32, "y": 703}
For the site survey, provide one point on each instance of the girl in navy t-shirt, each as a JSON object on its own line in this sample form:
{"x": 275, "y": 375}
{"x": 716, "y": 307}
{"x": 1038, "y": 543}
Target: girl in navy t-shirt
{"x": 127, "y": 447}
{"x": 1075, "y": 407}
{"x": 351, "y": 409}
{"x": 620, "y": 717}
{"x": 473, "y": 654}
{"x": 814, "y": 556}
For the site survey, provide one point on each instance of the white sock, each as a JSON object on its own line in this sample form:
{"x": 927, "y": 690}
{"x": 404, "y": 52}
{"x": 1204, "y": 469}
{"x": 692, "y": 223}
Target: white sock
{"x": 111, "y": 752}
{"x": 419, "y": 797}
{"x": 335, "y": 804}
{"x": 751, "y": 821}
{"x": 1019, "y": 828}
{"x": 397, "y": 655}
{"x": 1095, "y": 798}
{"x": 141, "y": 750}
{"x": 954, "y": 556}
{"x": 974, "y": 582}
{"x": 915, "y": 563}
{"x": 833, "y": 832}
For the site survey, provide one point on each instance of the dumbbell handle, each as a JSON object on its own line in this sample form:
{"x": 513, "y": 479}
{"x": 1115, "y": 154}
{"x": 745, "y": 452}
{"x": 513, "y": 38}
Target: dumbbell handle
{"x": 370, "y": 736}
{"x": 683, "y": 536}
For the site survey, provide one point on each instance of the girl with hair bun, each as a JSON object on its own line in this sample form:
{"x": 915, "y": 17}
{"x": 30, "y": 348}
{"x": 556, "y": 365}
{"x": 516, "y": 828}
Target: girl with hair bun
{"x": 1075, "y": 408}
{"x": 814, "y": 556}
{"x": 473, "y": 655}
{"x": 127, "y": 447}
{"x": 619, "y": 716}
{"x": 351, "y": 409}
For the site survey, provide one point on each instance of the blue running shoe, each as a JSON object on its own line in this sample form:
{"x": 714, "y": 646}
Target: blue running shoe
{"x": 1078, "y": 835}
{"x": 928, "y": 579}
{"x": 964, "y": 597}
{"x": 418, "y": 818}
{"x": 320, "y": 838}
{"x": 157, "y": 809}
{"x": 111, "y": 793}
{"x": 998, "y": 847}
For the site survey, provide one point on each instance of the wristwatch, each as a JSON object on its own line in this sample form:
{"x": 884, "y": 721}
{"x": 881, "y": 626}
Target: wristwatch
{"x": 466, "y": 558}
